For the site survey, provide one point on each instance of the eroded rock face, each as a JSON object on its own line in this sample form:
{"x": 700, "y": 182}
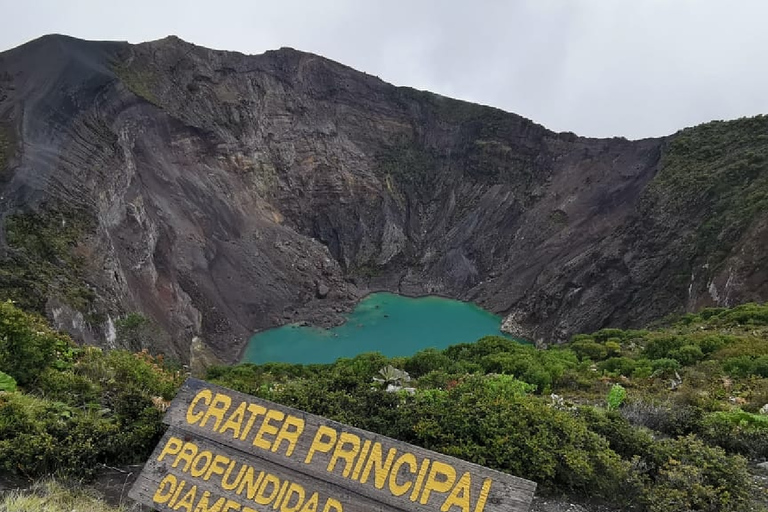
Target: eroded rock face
{"x": 233, "y": 193}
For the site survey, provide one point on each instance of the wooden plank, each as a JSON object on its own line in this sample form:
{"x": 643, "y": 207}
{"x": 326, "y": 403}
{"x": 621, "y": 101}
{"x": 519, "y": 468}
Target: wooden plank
{"x": 397, "y": 474}
{"x": 224, "y": 476}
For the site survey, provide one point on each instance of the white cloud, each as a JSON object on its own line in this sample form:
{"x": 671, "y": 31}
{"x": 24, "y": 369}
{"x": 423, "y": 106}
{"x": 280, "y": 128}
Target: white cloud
{"x": 596, "y": 67}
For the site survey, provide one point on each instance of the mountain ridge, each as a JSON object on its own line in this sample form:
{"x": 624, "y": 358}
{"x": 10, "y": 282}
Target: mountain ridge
{"x": 218, "y": 194}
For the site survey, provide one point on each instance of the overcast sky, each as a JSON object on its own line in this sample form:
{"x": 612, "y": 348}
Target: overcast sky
{"x": 633, "y": 68}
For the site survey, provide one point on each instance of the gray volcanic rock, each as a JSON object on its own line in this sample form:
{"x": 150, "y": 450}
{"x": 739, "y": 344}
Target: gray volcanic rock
{"x": 226, "y": 193}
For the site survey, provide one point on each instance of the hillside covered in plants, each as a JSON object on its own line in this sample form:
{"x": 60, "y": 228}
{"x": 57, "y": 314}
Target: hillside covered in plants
{"x": 671, "y": 418}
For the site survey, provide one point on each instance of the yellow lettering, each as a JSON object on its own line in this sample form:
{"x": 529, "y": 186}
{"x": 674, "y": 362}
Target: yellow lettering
{"x": 202, "y": 505}
{"x": 172, "y": 447}
{"x": 311, "y": 504}
{"x": 459, "y": 496}
{"x": 261, "y": 498}
{"x": 231, "y": 505}
{"x": 215, "y": 467}
{"x": 187, "y": 454}
{"x": 188, "y": 501}
{"x": 332, "y": 504}
{"x": 420, "y": 479}
{"x": 205, "y": 395}
{"x": 484, "y": 492}
{"x": 225, "y": 479}
{"x": 345, "y": 439}
{"x": 235, "y": 421}
{"x": 218, "y": 408}
{"x": 439, "y": 485}
{"x": 280, "y": 494}
{"x": 267, "y": 429}
{"x": 294, "y": 490}
{"x": 256, "y": 411}
{"x": 381, "y": 468}
{"x": 253, "y": 486}
{"x": 161, "y": 494}
{"x": 394, "y": 487}
{"x": 206, "y": 458}
{"x": 177, "y": 493}
{"x": 320, "y": 445}
{"x": 361, "y": 459}
{"x": 289, "y": 432}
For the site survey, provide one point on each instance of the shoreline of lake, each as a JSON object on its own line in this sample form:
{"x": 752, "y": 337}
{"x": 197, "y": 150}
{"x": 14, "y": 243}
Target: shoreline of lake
{"x": 393, "y": 324}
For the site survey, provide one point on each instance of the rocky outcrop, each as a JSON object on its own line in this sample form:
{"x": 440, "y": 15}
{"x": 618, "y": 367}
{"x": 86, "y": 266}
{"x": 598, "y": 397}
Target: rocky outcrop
{"x": 230, "y": 193}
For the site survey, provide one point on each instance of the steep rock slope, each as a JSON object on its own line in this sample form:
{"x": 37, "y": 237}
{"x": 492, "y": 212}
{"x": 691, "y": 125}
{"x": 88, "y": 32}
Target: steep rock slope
{"x": 218, "y": 194}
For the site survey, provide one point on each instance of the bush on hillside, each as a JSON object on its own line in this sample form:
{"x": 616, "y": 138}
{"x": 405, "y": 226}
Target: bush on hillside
{"x": 27, "y": 345}
{"x": 694, "y": 476}
{"x": 737, "y": 431}
{"x": 7, "y": 383}
{"x": 81, "y": 407}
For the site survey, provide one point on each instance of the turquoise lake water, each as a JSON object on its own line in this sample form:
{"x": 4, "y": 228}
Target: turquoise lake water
{"x": 383, "y": 322}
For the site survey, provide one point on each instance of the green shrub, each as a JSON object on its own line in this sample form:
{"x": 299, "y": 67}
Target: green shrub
{"x": 518, "y": 434}
{"x": 643, "y": 370}
{"x": 737, "y": 431}
{"x": 436, "y": 379}
{"x": 660, "y": 347}
{"x": 7, "y": 383}
{"x": 27, "y": 345}
{"x": 665, "y": 367}
{"x": 619, "y": 366}
{"x": 429, "y": 360}
{"x": 750, "y": 314}
{"x": 540, "y": 368}
{"x": 83, "y": 407}
{"x": 678, "y": 474}
{"x": 40, "y": 437}
{"x": 671, "y": 419}
{"x": 604, "y": 335}
{"x": 133, "y": 331}
{"x": 588, "y": 349}
{"x": 624, "y": 438}
{"x": 710, "y": 343}
{"x": 745, "y": 366}
{"x": 750, "y": 346}
{"x": 616, "y": 397}
{"x": 485, "y": 346}
{"x": 694, "y": 476}
{"x": 687, "y": 354}
{"x": 69, "y": 387}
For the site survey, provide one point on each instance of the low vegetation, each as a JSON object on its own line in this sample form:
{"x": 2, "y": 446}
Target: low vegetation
{"x": 139, "y": 78}
{"x": 657, "y": 420}
{"x": 52, "y": 496}
{"x": 41, "y": 260}
{"x": 714, "y": 178}
{"x": 408, "y": 162}
{"x": 76, "y": 407}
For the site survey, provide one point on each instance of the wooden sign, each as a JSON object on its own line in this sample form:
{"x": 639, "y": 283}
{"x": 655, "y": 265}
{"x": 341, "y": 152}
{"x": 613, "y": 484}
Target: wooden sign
{"x": 227, "y": 451}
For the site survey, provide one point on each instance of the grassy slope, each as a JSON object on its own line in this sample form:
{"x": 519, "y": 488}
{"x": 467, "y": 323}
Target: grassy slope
{"x": 52, "y": 496}
{"x": 674, "y": 443}
{"x": 718, "y": 170}
{"x": 712, "y": 186}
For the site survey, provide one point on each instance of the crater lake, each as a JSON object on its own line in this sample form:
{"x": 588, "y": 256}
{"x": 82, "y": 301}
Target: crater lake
{"x": 382, "y": 322}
